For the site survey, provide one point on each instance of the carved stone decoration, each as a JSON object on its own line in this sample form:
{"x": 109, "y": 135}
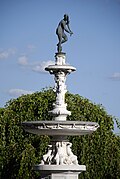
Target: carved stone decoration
{"x": 60, "y": 88}
{"x": 48, "y": 156}
{"x": 60, "y": 71}
{"x": 64, "y": 128}
{"x": 59, "y": 153}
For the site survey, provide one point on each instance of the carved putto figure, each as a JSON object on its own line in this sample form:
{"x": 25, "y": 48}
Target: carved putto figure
{"x": 71, "y": 156}
{"x": 48, "y": 156}
{"x": 60, "y": 88}
{"x": 60, "y": 154}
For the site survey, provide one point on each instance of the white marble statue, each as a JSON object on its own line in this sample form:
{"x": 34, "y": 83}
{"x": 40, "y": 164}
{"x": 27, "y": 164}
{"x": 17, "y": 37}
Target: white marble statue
{"x": 48, "y": 156}
{"x": 60, "y": 88}
{"x": 71, "y": 156}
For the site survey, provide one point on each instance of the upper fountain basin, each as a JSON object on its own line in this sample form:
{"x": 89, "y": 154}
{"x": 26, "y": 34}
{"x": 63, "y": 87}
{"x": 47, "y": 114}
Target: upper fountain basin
{"x": 64, "y": 128}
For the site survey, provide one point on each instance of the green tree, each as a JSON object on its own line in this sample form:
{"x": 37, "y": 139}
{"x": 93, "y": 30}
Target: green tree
{"x": 100, "y": 151}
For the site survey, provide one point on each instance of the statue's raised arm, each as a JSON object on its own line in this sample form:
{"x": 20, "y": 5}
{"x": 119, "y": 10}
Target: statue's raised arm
{"x": 62, "y": 37}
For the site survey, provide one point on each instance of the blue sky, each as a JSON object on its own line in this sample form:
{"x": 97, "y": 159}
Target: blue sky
{"x": 28, "y": 44}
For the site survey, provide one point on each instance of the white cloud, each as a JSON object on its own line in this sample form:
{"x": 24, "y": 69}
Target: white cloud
{"x": 4, "y": 54}
{"x": 115, "y": 76}
{"x": 23, "y": 60}
{"x": 34, "y": 66}
{"x": 40, "y": 67}
{"x": 19, "y": 92}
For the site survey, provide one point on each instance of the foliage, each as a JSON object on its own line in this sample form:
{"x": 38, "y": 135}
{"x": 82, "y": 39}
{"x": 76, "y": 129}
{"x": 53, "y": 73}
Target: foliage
{"x": 100, "y": 152}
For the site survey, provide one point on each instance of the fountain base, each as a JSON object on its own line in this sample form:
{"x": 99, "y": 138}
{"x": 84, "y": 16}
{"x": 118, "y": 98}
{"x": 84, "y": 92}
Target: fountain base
{"x": 60, "y": 171}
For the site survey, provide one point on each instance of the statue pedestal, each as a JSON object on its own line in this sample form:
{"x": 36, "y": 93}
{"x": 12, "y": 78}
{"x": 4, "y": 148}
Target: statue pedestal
{"x": 67, "y": 175}
{"x": 60, "y": 171}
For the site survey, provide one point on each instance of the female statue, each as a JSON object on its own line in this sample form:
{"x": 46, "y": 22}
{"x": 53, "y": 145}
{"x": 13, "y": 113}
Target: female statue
{"x": 63, "y": 26}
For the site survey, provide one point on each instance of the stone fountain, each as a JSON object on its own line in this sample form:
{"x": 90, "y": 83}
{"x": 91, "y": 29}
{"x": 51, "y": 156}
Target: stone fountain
{"x": 59, "y": 162}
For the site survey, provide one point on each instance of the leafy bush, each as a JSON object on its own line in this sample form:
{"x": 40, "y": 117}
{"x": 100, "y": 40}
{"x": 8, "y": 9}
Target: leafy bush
{"x": 100, "y": 152}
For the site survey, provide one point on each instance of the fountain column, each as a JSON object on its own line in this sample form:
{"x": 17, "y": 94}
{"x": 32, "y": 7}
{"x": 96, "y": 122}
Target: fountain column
{"x": 60, "y": 71}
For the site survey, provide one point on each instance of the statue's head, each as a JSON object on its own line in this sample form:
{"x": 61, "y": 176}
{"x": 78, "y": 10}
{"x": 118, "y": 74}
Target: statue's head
{"x": 66, "y": 17}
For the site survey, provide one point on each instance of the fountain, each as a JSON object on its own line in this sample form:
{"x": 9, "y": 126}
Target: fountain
{"x": 59, "y": 162}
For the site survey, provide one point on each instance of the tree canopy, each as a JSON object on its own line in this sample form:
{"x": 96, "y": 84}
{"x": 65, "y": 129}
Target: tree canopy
{"x": 100, "y": 151}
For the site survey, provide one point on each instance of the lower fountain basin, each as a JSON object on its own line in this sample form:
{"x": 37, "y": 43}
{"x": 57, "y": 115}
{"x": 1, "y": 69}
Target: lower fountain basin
{"x": 56, "y": 128}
